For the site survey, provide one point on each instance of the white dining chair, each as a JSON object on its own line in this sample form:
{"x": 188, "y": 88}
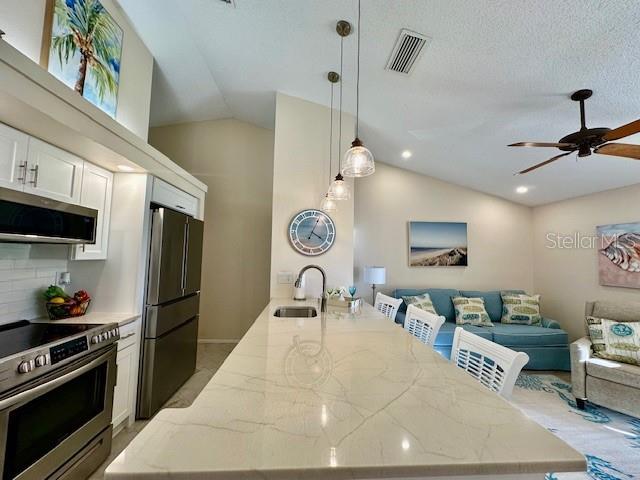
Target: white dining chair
{"x": 494, "y": 366}
{"x": 387, "y": 305}
{"x": 422, "y": 325}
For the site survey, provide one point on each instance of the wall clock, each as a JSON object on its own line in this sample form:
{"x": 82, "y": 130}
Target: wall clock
{"x": 312, "y": 232}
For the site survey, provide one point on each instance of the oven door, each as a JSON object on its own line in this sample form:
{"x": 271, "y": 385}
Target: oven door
{"x": 45, "y": 423}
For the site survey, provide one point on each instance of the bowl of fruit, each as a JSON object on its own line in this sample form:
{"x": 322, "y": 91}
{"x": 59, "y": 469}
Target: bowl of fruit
{"x": 60, "y": 305}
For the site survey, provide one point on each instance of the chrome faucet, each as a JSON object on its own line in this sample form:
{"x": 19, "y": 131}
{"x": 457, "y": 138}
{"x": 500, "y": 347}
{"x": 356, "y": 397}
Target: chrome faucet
{"x": 298, "y": 284}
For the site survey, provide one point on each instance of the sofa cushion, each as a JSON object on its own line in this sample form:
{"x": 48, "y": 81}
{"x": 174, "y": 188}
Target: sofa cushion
{"x": 511, "y": 335}
{"x": 471, "y": 311}
{"x": 423, "y": 302}
{"x": 492, "y": 302}
{"x": 441, "y": 298}
{"x": 445, "y": 335}
{"x": 612, "y": 371}
{"x": 520, "y": 308}
{"x": 621, "y": 341}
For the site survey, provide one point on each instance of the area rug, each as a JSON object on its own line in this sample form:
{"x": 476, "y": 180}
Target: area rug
{"x": 610, "y": 441}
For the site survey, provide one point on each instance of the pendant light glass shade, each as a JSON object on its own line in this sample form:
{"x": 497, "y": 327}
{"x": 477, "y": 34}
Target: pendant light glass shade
{"x": 358, "y": 161}
{"x": 328, "y": 205}
{"x": 339, "y": 189}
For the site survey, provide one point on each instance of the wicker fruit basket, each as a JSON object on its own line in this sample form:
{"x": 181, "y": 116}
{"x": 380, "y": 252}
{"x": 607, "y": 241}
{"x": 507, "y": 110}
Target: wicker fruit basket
{"x": 69, "y": 309}
{"x": 60, "y": 305}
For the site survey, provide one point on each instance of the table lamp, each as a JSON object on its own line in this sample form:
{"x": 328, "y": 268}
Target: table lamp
{"x": 375, "y": 276}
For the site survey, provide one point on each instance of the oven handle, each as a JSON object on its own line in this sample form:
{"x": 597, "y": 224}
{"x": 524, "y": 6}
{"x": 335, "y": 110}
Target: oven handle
{"x": 56, "y": 382}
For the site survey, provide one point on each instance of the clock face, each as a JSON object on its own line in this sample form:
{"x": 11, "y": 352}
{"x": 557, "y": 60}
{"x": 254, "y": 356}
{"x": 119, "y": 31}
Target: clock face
{"x": 312, "y": 232}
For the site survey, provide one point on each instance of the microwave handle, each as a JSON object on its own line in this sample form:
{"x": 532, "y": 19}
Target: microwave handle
{"x": 38, "y": 390}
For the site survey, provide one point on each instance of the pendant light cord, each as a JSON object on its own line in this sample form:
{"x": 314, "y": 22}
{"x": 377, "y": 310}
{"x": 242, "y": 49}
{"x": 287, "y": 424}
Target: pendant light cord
{"x": 331, "y": 133}
{"x": 340, "y": 118}
{"x": 358, "y": 77}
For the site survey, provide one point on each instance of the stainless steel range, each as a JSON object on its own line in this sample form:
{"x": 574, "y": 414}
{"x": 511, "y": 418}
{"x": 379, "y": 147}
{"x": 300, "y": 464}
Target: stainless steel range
{"x": 56, "y": 398}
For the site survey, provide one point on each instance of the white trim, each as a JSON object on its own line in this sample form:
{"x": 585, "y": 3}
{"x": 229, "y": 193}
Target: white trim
{"x": 218, "y": 340}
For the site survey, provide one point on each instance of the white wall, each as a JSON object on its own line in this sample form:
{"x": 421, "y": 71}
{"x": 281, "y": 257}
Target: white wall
{"x": 23, "y": 21}
{"x": 25, "y": 272}
{"x": 567, "y": 278}
{"x": 235, "y": 160}
{"x": 117, "y": 284}
{"x": 300, "y": 180}
{"x": 499, "y": 233}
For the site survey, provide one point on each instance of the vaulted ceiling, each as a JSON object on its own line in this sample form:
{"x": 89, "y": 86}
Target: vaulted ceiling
{"x": 494, "y": 73}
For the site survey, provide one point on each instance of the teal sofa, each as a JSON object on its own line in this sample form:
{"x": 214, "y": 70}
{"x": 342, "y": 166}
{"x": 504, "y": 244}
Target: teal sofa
{"x": 546, "y": 344}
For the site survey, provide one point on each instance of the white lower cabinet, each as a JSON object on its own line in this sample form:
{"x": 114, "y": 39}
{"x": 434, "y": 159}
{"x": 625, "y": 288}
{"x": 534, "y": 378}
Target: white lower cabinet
{"x": 97, "y": 187}
{"x": 124, "y": 394}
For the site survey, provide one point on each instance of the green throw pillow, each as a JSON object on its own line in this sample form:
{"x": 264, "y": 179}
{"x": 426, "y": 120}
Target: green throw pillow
{"x": 471, "y": 311}
{"x": 620, "y": 340}
{"x": 423, "y": 302}
{"x": 520, "y": 308}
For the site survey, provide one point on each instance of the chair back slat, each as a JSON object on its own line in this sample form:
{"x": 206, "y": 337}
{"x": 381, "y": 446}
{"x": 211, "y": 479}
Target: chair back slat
{"x": 387, "y": 305}
{"x": 422, "y": 325}
{"x": 494, "y": 366}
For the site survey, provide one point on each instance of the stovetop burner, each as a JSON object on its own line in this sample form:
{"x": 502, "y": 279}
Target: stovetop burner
{"x": 24, "y": 335}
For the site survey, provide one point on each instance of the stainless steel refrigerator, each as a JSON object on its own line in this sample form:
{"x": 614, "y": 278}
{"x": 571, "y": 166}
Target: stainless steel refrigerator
{"x": 170, "y": 327}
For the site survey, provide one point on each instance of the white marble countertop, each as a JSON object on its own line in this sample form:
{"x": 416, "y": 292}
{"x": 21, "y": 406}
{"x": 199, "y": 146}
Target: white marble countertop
{"x": 96, "y": 317}
{"x": 337, "y": 397}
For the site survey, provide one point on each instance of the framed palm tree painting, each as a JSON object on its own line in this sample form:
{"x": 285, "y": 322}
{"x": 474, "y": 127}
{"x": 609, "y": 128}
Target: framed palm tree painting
{"x": 82, "y": 47}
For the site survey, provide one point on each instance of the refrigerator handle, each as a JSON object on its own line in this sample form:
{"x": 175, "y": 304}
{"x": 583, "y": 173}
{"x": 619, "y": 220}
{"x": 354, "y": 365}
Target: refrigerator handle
{"x": 185, "y": 256}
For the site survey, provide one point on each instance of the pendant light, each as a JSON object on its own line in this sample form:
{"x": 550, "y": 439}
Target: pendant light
{"x": 339, "y": 189}
{"x": 358, "y": 161}
{"x": 328, "y": 203}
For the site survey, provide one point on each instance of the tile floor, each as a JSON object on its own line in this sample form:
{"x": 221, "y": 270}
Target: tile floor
{"x": 210, "y": 357}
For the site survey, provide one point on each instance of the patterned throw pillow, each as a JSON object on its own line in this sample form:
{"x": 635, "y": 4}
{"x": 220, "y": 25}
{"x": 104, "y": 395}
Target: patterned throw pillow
{"x": 520, "y": 308}
{"x": 621, "y": 341}
{"x": 423, "y": 302}
{"x": 471, "y": 311}
{"x": 594, "y": 328}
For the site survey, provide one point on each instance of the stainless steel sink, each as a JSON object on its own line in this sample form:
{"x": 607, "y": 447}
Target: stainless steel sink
{"x": 296, "y": 312}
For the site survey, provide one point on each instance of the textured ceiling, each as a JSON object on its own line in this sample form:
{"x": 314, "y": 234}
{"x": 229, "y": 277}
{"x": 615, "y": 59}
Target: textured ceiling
{"x": 496, "y": 72}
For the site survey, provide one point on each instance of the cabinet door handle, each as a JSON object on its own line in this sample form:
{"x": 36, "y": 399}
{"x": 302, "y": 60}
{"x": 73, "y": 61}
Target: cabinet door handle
{"x": 128, "y": 335}
{"x": 35, "y": 176}
{"x": 180, "y": 207}
{"x": 23, "y": 167}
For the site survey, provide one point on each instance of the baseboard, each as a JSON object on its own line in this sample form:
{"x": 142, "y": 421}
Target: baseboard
{"x": 218, "y": 340}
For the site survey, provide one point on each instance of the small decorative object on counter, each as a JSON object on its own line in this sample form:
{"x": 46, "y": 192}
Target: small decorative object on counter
{"x": 352, "y": 291}
{"x": 60, "y": 305}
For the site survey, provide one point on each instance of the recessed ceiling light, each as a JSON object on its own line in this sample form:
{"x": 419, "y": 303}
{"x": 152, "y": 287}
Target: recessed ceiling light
{"x": 522, "y": 189}
{"x": 125, "y": 168}
{"x": 406, "y": 154}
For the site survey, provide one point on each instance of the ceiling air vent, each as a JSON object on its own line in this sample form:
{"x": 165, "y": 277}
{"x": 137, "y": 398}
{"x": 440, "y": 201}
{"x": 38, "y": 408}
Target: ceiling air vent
{"x": 406, "y": 51}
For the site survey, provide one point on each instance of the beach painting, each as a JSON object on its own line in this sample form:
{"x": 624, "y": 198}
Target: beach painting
{"x": 82, "y": 47}
{"x": 619, "y": 255}
{"x": 438, "y": 244}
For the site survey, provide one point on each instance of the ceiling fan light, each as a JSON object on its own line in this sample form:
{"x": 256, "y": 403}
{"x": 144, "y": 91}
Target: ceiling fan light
{"x": 328, "y": 204}
{"x": 339, "y": 189}
{"x": 358, "y": 161}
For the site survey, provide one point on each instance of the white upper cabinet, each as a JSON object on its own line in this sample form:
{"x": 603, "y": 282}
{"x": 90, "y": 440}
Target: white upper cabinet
{"x": 53, "y": 173}
{"x": 169, "y": 196}
{"x": 97, "y": 186}
{"x": 13, "y": 157}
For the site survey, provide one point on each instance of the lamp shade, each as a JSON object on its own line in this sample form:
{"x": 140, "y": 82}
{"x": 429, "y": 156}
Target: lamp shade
{"x": 375, "y": 275}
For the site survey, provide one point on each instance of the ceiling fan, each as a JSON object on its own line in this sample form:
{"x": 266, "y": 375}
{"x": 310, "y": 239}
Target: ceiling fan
{"x": 589, "y": 140}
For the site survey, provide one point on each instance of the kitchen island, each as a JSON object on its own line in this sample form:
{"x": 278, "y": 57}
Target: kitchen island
{"x": 341, "y": 396}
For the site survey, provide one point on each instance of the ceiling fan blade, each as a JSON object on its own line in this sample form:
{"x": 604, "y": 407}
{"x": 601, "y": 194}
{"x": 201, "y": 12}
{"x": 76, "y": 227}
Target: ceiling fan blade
{"x": 543, "y": 144}
{"x": 619, "y": 150}
{"x": 546, "y": 162}
{"x": 623, "y": 131}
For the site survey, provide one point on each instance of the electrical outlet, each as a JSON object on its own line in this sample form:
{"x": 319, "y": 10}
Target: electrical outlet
{"x": 64, "y": 278}
{"x": 285, "y": 278}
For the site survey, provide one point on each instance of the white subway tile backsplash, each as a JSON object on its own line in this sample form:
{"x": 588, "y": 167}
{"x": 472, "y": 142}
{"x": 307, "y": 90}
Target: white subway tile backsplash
{"x": 25, "y": 272}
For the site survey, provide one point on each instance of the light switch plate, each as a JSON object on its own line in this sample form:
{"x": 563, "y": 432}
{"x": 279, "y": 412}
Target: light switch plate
{"x": 285, "y": 278}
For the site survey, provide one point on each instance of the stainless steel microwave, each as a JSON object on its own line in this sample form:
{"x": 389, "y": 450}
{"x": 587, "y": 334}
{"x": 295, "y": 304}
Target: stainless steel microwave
{"x": 27, "y": 218}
